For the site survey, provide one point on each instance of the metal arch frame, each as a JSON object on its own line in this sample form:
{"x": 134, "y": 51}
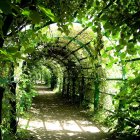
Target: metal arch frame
{"x": 69, "y": 59}
{"x": 72, "y": 39}
{"x": 65, "y": 64}
{"x": 62, "y": 64}
{"x": 75, "y": 37}
{"x": 82, "y": 45}
{"x": 75, "y": 56}
{"x": 54, "y": 65}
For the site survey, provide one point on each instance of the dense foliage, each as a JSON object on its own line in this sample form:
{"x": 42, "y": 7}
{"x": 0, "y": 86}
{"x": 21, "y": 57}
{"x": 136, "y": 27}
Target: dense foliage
{"x": 115, "y": 41}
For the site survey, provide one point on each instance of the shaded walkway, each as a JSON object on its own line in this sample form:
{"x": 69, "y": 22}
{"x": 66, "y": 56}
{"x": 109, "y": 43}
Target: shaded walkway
{"x": 53, "y": 118}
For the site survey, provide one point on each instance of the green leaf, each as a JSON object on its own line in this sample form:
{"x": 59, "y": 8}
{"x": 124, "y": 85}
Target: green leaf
{"x": 122, "y": 55}
{"x": 47, "y": 12}
{"x": 109, "y": 65}
{"x": 12, "y": 50}
{"x": 109, "y": 48}
{"x": 107, "y": 25}
{"x": 105, "y": 55}
{"x": 89, "y": 24}
{"x": 122, "y": 41}
{"x": 131, "y": 49}
{"x": 119, "y": 47}
{"x": 25, "y": 13}
{"x": 3, "y": 52}
{"x": 17, "y": 55}
{"x": 107, "y": 34}
{"x": 134, "y": 104}
{"x": 18, "y": 1}
{"x": 94, "y": 28}
{"x": 29, "y": 50}
{"x": 35, "y": 17}
{"x": 130, "y": 45}
{"x": 97, "y": 3}
{"x": 115, "y": 34}
{"x": 103, "y": 17}
{"x": 3, "y": 80}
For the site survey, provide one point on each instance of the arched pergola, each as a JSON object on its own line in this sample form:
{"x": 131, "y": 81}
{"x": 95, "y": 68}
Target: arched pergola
{"x": 75, "y": 54}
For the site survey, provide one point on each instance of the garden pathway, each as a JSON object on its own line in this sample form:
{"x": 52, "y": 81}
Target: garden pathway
{"x": 53, "y": 118}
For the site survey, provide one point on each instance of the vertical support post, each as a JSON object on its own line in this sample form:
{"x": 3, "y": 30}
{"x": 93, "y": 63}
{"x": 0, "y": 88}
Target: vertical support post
{"x": 68, "y": 84}
{"x": 68, "y": 88}
{"x": 73, "y": 89}
{"x": 12, "y": 86}
{"x": 63, "y": 88}
{"x": 41, "y": 76}
{"x": 96, "y": 93}
{"x": 121, "y": 105}
{"x": 1, "y": 97}
{"x": 82, "y": 89}
{"x": 13, "y": 122}
{"x": 53, "y": 81}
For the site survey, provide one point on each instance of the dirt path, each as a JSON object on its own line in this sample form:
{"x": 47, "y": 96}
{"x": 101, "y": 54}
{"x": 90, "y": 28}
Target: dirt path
{"x": 53, "y": 118}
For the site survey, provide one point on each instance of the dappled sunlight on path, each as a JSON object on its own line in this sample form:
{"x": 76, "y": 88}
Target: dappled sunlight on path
{"x": 53, "y": 118}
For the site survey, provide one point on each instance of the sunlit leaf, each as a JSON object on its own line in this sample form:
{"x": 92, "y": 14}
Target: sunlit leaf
{"x": 47, "y": 12}
{"x": 26, "y": 13}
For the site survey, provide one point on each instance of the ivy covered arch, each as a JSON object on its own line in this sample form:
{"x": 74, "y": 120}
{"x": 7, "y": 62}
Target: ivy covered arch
{"x": 75, "y": 54}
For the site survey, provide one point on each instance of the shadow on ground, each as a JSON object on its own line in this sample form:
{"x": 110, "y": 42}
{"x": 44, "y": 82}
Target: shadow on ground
{"x": 53, "y": 118}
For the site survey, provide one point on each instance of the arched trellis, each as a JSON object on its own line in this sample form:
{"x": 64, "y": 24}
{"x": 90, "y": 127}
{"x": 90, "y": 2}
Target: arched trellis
{"x": 70, "y": 71}
{"x": 70, "y": 76}
{"x": 76, "y": 56}
{"x": 56, "y": 68}
{"x": 66, "y": 54}
{"x": 64, "y": 42}
{"x": 53, "y": 79}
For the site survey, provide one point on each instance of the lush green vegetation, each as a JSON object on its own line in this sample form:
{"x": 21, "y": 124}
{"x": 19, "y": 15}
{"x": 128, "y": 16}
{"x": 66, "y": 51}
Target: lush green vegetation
{"x": 91, "y": 56}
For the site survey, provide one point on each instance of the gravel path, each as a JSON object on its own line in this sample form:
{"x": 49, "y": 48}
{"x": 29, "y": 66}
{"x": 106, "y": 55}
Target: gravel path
{"x": 53, "y": 118}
